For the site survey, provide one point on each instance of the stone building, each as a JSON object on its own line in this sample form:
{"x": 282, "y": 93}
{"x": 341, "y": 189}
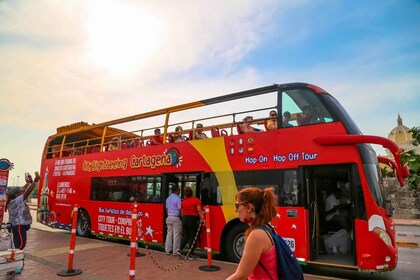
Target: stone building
{"x": 406, "y": 203}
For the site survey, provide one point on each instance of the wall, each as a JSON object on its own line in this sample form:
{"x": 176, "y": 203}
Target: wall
{"x": 406, "y": 203}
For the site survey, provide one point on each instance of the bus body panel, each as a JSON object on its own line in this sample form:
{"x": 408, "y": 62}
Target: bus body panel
{"x": 67, "y": 181}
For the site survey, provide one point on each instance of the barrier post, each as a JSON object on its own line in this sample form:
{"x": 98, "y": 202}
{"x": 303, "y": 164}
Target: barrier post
{"x": 133, "y": 243}
{"x": 70, "y": 271}
{"x": 138, "y": 254}
{"x": 209, "y": 266}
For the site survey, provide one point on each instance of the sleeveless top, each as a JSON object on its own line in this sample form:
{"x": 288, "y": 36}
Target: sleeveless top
{"x": 269, "y": 260}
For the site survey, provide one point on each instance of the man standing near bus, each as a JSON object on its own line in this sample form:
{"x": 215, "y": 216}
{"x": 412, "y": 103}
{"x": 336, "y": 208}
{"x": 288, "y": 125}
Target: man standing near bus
{"x": 173, "y": 222}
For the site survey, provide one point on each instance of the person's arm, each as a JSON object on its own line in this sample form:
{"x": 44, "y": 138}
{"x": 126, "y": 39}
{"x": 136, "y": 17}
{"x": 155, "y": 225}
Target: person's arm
{"x": 31, "y": 186}
{"x": 246, "y": 129}
{"x": 200, "y": 213}
{"x": 256, "y": 243}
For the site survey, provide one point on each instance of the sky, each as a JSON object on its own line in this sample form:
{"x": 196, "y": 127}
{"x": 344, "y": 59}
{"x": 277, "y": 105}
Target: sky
{"x": 63, "y": 62}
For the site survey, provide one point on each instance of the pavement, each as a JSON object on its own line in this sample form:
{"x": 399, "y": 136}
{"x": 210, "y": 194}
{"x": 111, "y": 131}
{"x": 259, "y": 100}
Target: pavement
{"x": 47, "y": 253}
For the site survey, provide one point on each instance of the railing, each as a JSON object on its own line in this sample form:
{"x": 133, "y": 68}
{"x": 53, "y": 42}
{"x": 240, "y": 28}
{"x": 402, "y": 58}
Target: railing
{"x": 141, "y": 137}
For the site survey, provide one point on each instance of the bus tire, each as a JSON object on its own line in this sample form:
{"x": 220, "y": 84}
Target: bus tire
{"x": 83, "y": 224}
{"x": 235, "y": 242}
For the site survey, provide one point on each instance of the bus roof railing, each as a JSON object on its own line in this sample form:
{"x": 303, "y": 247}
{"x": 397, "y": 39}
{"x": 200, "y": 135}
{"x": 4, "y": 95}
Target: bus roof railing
{"x": 191, "y": 105}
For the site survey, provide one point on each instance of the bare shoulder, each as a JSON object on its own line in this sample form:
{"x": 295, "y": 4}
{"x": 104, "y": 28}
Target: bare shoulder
{"x": 260, "y": 238}
{"x": 259, "y": 235}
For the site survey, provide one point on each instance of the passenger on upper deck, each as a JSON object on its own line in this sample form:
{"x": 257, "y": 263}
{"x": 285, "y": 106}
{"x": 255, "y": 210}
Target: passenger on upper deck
{"x": 156, "y": 139}
{"x": 286, "y": 119}
{"x": 178, "y": 137}
{"x": 310, "y": 116}
{"x": 272, "y": 122}
{"x": 198, "y": 132}
{"x": 246, "y": 125}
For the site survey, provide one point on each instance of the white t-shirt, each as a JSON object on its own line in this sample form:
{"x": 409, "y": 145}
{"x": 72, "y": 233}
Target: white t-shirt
{"x": 330, "y": 203}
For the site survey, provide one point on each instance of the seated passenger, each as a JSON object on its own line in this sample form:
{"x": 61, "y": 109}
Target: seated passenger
{"x": 246, "y": 125}
{"x": 156, "y": 139}
{"x": 286, "y": 119}
{"x": 178, "y": 137}
{"x": 198, "y": 132}
{"x": 114, "y": 145}
{"x": 272, "y": 122}
{"x": 334, "y": 210}
{"x": 310, "y": 116}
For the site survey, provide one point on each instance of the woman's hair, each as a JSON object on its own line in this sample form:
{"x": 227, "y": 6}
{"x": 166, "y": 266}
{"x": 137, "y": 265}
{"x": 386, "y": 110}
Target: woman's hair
{"x": 188, "y": 192}
{"x": 264, "y": 205}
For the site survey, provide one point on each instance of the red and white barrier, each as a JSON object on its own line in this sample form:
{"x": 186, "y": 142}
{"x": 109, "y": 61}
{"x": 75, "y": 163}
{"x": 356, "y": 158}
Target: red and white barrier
{"x": 209, "y": 266}
{"x": 70, "y": 271}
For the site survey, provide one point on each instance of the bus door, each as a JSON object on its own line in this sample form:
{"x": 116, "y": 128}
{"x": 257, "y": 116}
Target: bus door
{"x": 330, "y": 229}
{"x": 182, "y": 180}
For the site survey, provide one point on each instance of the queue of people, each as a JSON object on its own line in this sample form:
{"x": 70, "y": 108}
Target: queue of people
{"x": 182, "y": 223}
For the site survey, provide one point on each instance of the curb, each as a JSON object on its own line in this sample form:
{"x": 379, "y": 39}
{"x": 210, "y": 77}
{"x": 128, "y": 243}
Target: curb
{"x": 408, "y": 244}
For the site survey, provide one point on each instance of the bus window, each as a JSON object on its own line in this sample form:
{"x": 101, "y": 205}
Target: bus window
{"x": 290, "y": 188}
{"x": 373, "y": 173}
{"x": 210, "y": 190}
{"x": 284, "y": 183}
{"x": 304, "y": 108}
{"x": 110, "y": 189}
{"x": 154, "y": 187}
{"x": 191, "y": 180}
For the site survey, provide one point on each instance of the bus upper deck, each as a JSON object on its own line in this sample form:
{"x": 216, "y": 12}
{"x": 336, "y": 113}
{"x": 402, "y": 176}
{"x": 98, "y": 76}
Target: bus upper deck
{"x": 82, "y": 138}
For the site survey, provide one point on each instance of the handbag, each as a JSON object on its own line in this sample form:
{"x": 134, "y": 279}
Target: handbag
{"x": 6, "y": 237}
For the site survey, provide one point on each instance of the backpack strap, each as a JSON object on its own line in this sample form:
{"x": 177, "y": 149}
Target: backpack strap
{"x": 265, "y": 269}
{"x": 266, "y": 230}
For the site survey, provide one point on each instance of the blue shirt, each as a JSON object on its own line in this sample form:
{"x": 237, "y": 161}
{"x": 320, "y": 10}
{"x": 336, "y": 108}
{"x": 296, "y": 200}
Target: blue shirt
{"x": 173, "y": 205}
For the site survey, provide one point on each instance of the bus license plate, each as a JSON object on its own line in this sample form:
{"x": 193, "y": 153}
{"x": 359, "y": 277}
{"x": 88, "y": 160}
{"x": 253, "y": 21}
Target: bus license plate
{"x": 291, "y": 242}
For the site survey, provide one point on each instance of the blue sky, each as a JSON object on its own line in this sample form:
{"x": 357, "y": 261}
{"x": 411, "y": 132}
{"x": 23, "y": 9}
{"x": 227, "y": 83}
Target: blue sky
{"x": 66, "y": 62}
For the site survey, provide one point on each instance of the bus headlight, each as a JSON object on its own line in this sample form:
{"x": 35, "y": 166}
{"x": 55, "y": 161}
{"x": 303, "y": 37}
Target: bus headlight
{"x": 382, "y": 234}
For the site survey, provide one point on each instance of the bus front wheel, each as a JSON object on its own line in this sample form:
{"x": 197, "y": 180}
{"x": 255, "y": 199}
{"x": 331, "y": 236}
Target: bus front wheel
{"x": 235, "y": 242}
{"x": 83, "y": 224}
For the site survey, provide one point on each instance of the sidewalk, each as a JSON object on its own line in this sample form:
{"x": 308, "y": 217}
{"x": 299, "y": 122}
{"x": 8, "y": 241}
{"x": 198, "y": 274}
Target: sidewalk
{"x": 402, "y": 238}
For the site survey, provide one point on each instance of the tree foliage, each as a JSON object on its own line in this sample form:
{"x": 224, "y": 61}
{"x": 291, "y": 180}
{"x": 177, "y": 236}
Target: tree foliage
{"x": 412, "y": 160}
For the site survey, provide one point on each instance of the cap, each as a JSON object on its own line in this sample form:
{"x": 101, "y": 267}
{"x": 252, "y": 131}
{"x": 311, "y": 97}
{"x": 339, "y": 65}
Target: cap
{"x": 13, "y": 190}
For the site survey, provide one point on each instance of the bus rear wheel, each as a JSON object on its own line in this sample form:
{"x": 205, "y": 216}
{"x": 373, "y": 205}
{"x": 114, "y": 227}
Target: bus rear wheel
{"x": 235, "y": 242}
{"x": 83, "y": 224}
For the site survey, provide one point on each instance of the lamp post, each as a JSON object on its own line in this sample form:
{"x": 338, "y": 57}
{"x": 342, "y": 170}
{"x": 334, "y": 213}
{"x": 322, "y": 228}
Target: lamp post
{"x": 17, "y": 181}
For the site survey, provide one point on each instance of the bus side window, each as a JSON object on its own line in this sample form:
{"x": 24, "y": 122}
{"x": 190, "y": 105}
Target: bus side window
{"x": 290, "y": 189}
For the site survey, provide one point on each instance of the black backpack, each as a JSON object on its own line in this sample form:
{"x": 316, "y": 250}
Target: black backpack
{"x": 288, "y": 267}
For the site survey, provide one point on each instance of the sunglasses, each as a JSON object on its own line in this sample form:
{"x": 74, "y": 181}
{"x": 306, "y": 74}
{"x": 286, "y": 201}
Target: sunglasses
{"x": 237, "y": 204}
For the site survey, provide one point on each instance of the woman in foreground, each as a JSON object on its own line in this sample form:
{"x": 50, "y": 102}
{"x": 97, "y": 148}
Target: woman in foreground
{"x": 256, "y": 208}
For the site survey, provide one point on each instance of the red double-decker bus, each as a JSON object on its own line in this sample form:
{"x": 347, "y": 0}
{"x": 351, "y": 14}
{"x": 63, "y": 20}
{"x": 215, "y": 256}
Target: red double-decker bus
{"x": 315, "y": 150}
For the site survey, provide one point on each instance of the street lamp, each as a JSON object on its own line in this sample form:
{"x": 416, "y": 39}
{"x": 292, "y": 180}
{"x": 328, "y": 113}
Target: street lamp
{"x": 17, "y": 181}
